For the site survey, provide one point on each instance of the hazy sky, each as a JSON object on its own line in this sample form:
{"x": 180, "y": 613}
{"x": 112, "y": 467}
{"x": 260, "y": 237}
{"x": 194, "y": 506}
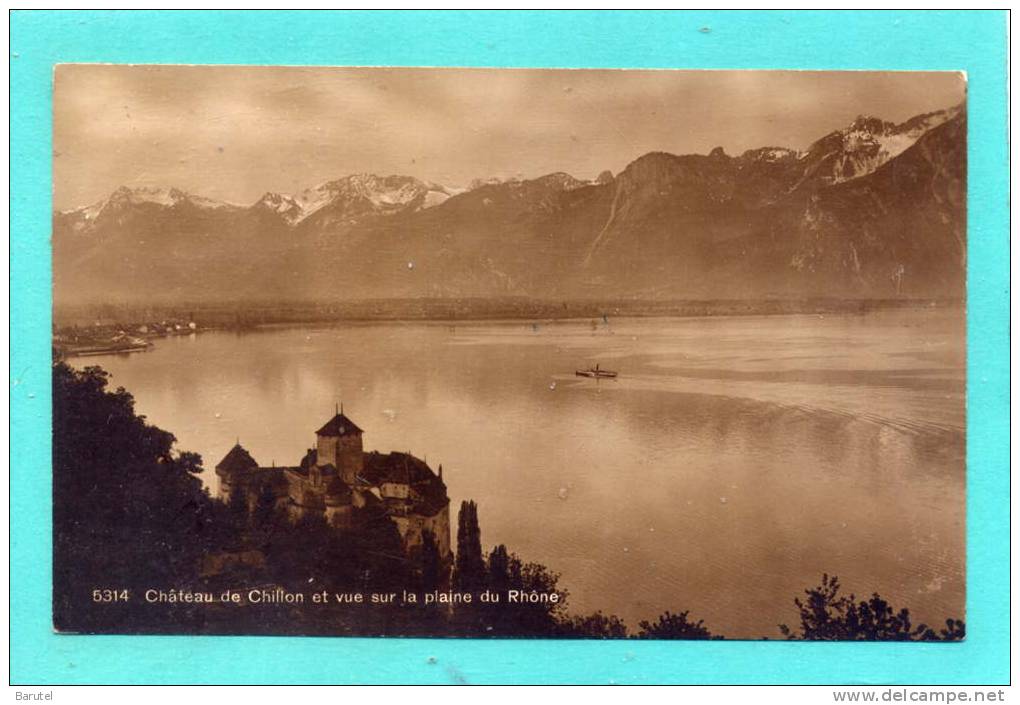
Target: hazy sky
{"x": 233, "y": 133}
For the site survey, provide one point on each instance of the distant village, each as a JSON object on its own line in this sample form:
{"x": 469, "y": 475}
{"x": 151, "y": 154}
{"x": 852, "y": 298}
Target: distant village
{"x": 106, "y": 337}
{"x": 105, "y": 329}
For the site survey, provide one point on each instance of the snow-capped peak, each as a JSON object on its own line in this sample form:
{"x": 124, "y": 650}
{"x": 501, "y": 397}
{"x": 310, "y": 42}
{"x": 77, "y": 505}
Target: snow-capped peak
{"x": 561, "y": 180}
{"x": 283, "y": 205}
{"x": 770, "y": 154}
{"x": 557, "y": 179}
{"x": 126, "y": 196}
{"x": 492, "y": 181}
{"x": 357, "y": 194}
{"x": 869, "y": 142}
{"x": 147, "y": 194}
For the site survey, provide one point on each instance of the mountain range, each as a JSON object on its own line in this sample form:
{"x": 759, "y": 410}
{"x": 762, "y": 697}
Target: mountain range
{"x": 870, "y": 210}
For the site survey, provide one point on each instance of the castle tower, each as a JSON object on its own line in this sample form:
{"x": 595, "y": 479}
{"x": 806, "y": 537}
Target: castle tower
{"x": 339, "y": 445}
{"x": 236, "y": 464}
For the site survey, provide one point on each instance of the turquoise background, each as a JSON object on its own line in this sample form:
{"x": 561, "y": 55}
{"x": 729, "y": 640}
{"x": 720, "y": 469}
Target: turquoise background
{"x": 971, "y": 41}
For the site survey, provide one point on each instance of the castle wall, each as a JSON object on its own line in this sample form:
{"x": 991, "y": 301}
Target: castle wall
{"x": 306, "y": 489}
{"x": 395, "y": 489}
{"x": 225, "y": 489}
{"x": 249, "y": 488}
{"x": 439, "y": 525}
{"x": 350, "y": 457}
{"x": 326, "y": 450}
{"x": 413, "y": 526}
{"x": 408, "y": 528}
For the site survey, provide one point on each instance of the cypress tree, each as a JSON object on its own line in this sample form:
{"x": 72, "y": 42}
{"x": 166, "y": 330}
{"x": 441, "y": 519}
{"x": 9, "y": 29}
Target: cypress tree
{"x": 469, "y": 570}
{"x": 431, "y": 563}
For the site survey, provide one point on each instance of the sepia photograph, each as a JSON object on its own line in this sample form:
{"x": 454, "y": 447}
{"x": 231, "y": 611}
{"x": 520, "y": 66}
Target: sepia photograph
{"x": 503, "y": 353}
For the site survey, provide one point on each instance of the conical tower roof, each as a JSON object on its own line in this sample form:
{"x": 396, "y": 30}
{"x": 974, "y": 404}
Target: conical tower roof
{"x": 339, "y": 425}
{"x": 237, "y": 460}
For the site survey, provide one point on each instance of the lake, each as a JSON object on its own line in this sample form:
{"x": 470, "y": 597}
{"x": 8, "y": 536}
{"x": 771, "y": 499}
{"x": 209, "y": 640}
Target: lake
{"x": 733, "y": 461}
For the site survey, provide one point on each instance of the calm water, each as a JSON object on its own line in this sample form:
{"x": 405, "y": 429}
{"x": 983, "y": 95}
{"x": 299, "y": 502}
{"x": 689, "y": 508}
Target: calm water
{"x": 732, "y": 463}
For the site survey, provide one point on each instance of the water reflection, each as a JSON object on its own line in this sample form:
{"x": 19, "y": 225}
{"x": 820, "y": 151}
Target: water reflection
{"x": 732, "y": 462}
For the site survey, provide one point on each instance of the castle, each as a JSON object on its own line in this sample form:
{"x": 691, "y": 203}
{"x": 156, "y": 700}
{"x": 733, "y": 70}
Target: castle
{"x": 337, "y": 476}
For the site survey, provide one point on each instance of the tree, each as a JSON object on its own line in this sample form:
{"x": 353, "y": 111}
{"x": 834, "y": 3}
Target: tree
{"x": 469, "y": 568}
{"x": 128, "y": 510}
{"x": 826, "y": 615}
{"x": 674, "y": 626}
{"x": 506, "y": 572}
{"x": 311, "y": 553}
{"x": 593, "y": 626}
{"x": 190, "y": 462}
{"x": 376, "y": 548}
{"x": 503, "y": 571}
{"x": 431, "y": 563}
{"x": 237, "y": 509}
{"x": 264, "y": 513}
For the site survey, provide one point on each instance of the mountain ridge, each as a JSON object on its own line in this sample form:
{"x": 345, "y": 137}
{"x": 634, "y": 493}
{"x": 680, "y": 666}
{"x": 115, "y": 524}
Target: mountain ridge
{"x": 828, "y": 220}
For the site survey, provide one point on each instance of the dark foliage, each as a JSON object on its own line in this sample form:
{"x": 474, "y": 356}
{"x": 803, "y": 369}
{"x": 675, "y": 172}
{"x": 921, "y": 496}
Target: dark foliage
{"x": 593, "y": 626}
{"x": 310, "y": 554}
{"x": 506, "y": 573}
{"x": 430, "y": 564}
{"x": 264, "y": 512}
{"x": 674, "y": 626}
{"x": 825, "y": 615}
{"x": 128, "y": 512}
{"x": 131, "y": 513}
{"x": 469, "y": 569}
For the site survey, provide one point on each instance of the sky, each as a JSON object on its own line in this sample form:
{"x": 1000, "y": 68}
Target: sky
{"x": 233, "y": 133}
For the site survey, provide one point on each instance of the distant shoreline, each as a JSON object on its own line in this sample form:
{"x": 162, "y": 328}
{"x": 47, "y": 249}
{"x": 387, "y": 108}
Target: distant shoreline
{"x": 251, "y": 315}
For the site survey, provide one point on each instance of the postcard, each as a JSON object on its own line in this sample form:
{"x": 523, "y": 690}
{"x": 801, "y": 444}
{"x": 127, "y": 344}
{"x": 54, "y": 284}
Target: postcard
{"x": 449, "y": 352}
